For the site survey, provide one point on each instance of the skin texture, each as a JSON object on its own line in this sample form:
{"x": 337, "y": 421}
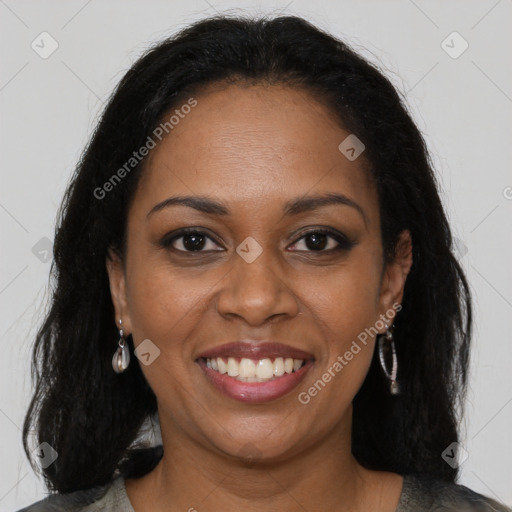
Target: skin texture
{"x": 254, "y": 147}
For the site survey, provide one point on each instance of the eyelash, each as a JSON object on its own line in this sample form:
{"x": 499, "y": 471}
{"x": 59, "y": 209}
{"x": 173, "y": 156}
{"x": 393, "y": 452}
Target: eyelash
{"x": 344, "y": 243}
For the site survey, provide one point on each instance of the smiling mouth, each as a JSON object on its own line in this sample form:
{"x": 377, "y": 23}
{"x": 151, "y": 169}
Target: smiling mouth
{"x": 254, "y": 370}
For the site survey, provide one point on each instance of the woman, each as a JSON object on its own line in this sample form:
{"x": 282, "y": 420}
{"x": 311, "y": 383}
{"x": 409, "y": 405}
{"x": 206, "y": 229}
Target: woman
{"x": 253, "y": 251}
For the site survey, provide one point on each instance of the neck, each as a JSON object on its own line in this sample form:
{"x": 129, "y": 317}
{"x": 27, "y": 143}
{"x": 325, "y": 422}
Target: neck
{"x": 322, "y": 477}
{"x": 297, "y": 483}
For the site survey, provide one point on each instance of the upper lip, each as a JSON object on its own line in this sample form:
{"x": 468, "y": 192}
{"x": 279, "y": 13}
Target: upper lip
{"x": 255, "y": 350}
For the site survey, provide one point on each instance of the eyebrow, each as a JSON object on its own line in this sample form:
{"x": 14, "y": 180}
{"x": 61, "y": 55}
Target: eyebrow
{"x": 293, "y": 207}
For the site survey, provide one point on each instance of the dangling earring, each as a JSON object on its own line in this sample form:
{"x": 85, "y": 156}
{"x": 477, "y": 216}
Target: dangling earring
{"x": 391, "y": 375}
{"x": 121, "y": 358}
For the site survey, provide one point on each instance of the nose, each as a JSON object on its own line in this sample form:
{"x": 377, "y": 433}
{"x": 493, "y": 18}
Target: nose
{"x": 256, "y": 291}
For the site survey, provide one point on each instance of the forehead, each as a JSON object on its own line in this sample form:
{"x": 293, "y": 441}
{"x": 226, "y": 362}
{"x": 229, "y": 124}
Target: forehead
{"x": 253, "y": 146}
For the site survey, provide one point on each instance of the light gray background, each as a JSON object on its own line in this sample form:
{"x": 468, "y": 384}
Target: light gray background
{"x": 50, "y": 106}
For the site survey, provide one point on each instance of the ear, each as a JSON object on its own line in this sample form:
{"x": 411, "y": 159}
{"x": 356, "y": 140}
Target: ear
{"x": 117, "y": 278}
{"x": 395, "y": 275}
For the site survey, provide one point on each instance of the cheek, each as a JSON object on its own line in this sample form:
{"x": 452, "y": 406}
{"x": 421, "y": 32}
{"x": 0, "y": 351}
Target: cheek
{"x": 162, "y": 303}
{"x": 164, "y": 308}
{"x": 347, "y": 308}
{"x": 347, "y": 300}
{"x": 345, "y": 313}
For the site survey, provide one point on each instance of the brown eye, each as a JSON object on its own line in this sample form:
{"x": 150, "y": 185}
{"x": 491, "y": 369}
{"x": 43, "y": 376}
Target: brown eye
{"x": 189, "y": 241}
{"x": 317, "y": 241}
{"x": 325, "y": 241}
{"x": 193, "y": 241}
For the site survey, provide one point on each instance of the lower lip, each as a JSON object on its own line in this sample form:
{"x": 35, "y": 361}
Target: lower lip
{"x": 255, "y": 392}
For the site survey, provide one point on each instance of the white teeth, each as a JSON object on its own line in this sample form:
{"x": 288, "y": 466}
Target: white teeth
{"x": 279, "y": 367}
{"x": 264, "y": 369}
{"x": 248, "y": 370}
{"x": 223, "y": 367}
{"x": 232, "y": 367}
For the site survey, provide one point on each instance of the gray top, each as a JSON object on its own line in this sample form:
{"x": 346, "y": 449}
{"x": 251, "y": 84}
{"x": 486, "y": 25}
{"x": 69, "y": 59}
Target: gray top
{"x": 419, "y": 494}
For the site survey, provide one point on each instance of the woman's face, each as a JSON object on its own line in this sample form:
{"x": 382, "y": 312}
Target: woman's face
{"x": 258, "y": 271}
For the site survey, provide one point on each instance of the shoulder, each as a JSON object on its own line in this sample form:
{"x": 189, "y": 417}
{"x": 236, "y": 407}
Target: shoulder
{"x": 422, "y": 493}
{"x": 106, "y": 498}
